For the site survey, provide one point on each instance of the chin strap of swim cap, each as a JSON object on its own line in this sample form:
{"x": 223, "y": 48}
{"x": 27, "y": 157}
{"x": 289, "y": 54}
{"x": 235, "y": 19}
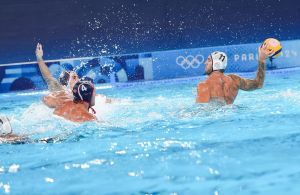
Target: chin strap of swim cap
{"x": 219, "y": 60}
{"x": 93, "y": 110}
{"x": 5, "y": 126}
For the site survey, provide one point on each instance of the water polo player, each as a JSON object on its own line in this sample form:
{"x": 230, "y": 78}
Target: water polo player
{"x": 7, "y": 136}
{"x": 60, "y": 90}
{"x": 6, "y": 132}
{"x": 77, "y": 110}
{"x": 221, "y": 88}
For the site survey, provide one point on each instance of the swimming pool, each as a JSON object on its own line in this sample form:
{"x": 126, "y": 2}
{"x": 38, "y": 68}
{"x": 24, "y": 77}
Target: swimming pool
{"x": 156, "y": 140}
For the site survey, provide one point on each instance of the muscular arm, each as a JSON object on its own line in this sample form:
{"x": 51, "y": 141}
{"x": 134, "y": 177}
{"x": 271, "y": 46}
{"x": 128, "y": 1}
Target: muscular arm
{"x": 203, "y": 93}
{"x": 53, "y": 84}
{"x": 257, "y": 83}
{"x": 251, "y": 84}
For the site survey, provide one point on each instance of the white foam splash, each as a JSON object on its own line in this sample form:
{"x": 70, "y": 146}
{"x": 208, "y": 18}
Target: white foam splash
{"x": 49, "y": 180}
{"x": 135, "y": 174}
{"x": 76, "y": 165}
{"x": 97, "y": 161}
{"x": 155, "y": 115}
{"x": 84, "y": 166}
{"x": 213, "y": 171}
{"x": 13, "y": 168}
{"x": 67, "y": 167}
{"x": 121, "y": 152}
{"x": 36, "y": 112}
{"x": 291, "y": 94}
{"x": 103, "y": 109}
{"x": 183, "y": 144}
{"x": 6, "y": 187}
{"x": 131, "y": 174}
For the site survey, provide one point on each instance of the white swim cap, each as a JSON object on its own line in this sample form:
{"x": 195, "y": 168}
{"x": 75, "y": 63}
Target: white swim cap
{"x": 5, "y": 127}
{"x": 219, "y": 60}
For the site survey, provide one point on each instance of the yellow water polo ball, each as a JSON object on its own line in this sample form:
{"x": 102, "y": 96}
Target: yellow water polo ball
{"x": 275, "y": 45}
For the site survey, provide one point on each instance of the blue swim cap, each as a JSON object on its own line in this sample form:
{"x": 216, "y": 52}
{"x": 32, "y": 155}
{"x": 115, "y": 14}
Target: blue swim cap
{"x": 83, "y": 91}
{"x": 86, "y": 78}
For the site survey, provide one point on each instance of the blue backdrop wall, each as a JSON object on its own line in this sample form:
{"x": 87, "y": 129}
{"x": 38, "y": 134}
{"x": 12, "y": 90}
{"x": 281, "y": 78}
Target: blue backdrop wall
{"x": 76, "y": 28}
{"x": 146, "y": 66}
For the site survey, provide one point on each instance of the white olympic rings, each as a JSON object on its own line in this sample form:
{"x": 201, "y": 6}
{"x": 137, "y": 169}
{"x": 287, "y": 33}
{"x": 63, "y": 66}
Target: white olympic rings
{"x": 190, "y": 61}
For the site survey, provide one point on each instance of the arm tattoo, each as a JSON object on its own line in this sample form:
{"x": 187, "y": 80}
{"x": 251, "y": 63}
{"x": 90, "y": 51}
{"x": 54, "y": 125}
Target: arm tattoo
{"x": 249, "y": 84}
{"x": 260, "y": 75}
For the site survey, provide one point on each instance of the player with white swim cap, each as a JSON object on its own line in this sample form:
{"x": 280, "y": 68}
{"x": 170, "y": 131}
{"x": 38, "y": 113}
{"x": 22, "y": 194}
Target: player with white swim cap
{"x": 224, "y": 88}
{"x": 7, "y": 136}
{"x": 6, "y": 132}
{"x": 5, "y": 127}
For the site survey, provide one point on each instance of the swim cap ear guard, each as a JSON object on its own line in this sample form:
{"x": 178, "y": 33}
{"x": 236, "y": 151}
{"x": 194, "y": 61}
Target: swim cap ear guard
{"x": 219, "y": 60}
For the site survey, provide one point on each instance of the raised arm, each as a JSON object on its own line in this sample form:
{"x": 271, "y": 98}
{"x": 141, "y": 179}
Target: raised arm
{"x": 53, "y": 84}
{"x": 257, "y": 83}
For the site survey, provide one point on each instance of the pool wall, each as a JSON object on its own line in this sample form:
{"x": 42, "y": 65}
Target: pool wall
{"x": 144, "y": 66}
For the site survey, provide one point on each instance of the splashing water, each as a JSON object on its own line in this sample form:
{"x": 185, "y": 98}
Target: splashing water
{"x": 155, "y": 139}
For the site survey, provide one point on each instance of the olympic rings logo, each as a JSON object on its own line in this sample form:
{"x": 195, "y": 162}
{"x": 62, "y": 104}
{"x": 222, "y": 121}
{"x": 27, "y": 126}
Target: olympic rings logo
{"x": 190, "y": 61}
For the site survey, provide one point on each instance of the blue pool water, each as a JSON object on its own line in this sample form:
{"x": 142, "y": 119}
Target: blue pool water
{"x": 156, "y": 140}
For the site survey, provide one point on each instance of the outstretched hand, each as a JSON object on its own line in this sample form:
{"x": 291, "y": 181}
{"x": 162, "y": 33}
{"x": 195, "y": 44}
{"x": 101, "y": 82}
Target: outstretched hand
{"x": 39, "y": 52}
{"x": 264, "y": 52}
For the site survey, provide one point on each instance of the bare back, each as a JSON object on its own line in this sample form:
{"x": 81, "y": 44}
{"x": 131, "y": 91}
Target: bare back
{"x": 225, "y": 88}
{"x": 218, "y": 87}
{"x": 74, "y": 112}
{"x": 56, "y": 99}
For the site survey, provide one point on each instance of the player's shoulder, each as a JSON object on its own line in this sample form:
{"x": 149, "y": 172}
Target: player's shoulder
{"x": 234, "y": 77}
{"x": 202, "y": 85}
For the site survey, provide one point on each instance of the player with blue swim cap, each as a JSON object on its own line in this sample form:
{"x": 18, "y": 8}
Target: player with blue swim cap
{"x": 77, "y": 109}
{"x": 66, "y": 92}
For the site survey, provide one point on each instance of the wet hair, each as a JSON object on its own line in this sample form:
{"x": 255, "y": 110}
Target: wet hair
{"x": 64, "y": 78}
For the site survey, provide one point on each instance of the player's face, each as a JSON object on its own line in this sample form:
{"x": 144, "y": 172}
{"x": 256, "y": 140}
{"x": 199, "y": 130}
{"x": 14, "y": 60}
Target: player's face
{"x": 73, "y": 79}
{"x": 208, "y": 65}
